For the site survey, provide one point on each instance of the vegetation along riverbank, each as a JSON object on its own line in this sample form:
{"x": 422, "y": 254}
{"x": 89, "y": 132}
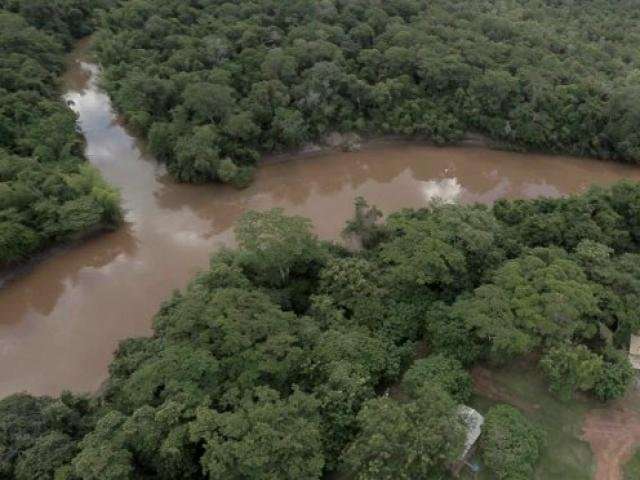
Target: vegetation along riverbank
{"x": 214, "y": 85}
{"x": 476, "y": 335}
{"x": 49, "y": 193}
{"x": 271, "y": 363}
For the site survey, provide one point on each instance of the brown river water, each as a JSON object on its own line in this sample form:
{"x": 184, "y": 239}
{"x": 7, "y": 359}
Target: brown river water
{"x": 61, "y": 320}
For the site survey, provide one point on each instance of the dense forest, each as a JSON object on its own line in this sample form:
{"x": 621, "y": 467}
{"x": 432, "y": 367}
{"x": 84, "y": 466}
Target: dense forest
{"x": 290, "y": 357}
{"x": 215, "y": 84}
{"x": 277, "y": 361}
{"x": 48, "y": 192}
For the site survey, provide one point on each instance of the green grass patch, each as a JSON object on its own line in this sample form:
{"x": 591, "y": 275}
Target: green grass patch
{"x": 632, "y": 468}
{"x": 566, "y": 456}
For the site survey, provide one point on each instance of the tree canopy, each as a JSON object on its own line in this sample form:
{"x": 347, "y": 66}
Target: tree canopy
{"x": 48, "y": 192}
{"x": 418, "y": 439}
{"x": 511, "y": 445}
{"x": 290, "y": 357}
{"x": 214, "y": 85}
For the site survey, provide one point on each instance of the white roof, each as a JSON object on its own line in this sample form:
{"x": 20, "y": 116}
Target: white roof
{"x": 473, "y": 421}
{"x": 634, "y": 351}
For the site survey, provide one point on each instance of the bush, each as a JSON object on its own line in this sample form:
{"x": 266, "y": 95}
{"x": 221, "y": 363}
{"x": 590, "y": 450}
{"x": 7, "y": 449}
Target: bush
{"x": 445, "y": 372}
{"x": 615, "y": 377}
{"x": 227, "y": 171}
{"x": 569, "y": 368}
{"x": 405, "y": 440}
{"x": 510, "y": 444}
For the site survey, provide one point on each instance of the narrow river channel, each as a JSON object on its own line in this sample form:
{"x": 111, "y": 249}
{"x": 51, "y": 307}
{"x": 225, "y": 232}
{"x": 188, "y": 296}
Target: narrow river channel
{"x": 61, "y": 320}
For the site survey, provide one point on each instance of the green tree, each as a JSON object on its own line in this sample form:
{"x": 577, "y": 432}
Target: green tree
{"x": 209, "y": 102}
{"x": 197, "y": 156}
{"x": 341, "y": 391}
{"x": 364, "y": 226}
{"x": 412, "y": 440}
{"x": 266, "y": 437}
{"x": 444, "y": 248}
{"x": 569, "y": 368}
{"x": 376, "y": 355}
{"x": 541, "y": 296}
{"x": 175, "y": 370}
{"x": 249, "y": 340}
{"x": 510, "y": 444}
{"x": 103, "y": 454}
{"x": 274, "y": 246}
{"x": 49, "y": 453}
{"x": 352, "y": 284}
{"x": 445, "y": 372}
{"x": 616, "y": 376}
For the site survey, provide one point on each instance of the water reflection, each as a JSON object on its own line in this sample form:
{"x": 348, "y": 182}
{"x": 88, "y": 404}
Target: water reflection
{"x": 60, "y": 322}
{"x": 447, "y": 190}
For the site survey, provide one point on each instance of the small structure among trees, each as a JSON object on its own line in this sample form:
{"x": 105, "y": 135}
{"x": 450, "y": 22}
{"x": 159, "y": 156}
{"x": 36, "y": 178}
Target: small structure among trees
{"x": 634, "y": 351}
{"x": 473, "y": 421}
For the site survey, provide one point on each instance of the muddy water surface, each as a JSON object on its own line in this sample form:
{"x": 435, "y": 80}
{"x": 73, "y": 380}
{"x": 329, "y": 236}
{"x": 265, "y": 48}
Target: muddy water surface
{"x": 60, "y": 321}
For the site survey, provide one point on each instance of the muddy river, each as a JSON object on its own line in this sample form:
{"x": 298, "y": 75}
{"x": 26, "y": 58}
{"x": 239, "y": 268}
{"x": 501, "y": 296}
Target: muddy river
{"x": 61, "y": 320}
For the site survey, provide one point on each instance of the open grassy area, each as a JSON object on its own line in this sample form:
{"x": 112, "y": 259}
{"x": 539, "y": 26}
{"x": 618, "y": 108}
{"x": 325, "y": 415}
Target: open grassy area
{"x": 566, "y": 456}
{"x": 632, "y": 468}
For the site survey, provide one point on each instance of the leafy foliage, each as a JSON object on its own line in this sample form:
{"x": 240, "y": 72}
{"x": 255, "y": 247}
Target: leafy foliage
{"x": 616, "y": 376}
{"x": 440, "y": 370}
{"x": 510, "y": 444}
{"x": 272, "y": 363}
{"x": 539, "y": 297}
{"x": 39, "y": 435}
{"x": 209, "y": 80}
{"x": 265, "y": 438}
{"x": 570, "y": 368}
{"x": 48, "y": 193}
{"x": 277, "y": 246}
{"x": 411, "y": 440}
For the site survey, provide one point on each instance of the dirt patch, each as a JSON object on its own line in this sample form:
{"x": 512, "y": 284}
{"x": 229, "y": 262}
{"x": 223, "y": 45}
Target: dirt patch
{"x": 614, "y": 434}
{"x": 485, "y": 384}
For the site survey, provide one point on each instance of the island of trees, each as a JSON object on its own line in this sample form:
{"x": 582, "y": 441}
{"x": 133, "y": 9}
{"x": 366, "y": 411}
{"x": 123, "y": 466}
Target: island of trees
{"x": 215, "y": 84}
{"x": 274, "y": 362}
{"x": 49, "y": 193}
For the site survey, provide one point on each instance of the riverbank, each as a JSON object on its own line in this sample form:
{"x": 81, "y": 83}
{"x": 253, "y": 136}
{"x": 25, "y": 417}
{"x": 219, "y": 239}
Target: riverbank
{"x": 76, "y": 305}
{"x": 355, "y": 143}
{"x": 71, "y": 76}
{"x": 9, "y": 273}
